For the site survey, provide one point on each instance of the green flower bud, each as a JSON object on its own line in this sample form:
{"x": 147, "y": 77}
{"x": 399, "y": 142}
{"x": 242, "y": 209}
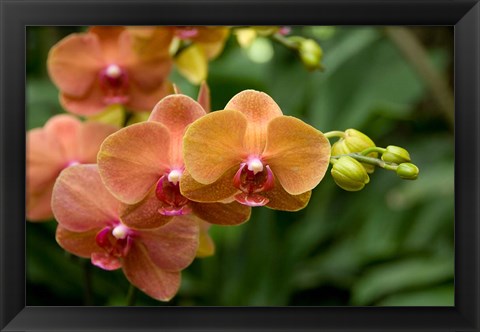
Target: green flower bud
{"x": 396, "y": 154}
{"x": 311, "y": 54}
{"x": 355, "y": 141}
{"x": 349, "y": 174}
{"x": 407, "y": 171}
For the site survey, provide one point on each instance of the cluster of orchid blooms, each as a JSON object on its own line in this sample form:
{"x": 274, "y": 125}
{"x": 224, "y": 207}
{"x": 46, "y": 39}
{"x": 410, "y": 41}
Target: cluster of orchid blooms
{"x": 142, "y": 197}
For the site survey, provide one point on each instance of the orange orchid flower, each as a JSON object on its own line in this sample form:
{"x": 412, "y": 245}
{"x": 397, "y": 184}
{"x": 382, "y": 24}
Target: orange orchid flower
{"x": 252, "y": 153}
{"x": 206, "y": 44}
{"x": 111, "y": 65}
{"x": 211, "y": 38}
{"x": 89, "y": 226}
{"x": 62, "y": 142}
{"x": 142, "y": 166}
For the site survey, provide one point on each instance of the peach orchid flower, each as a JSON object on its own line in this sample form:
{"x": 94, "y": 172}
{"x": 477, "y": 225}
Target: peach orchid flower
{"x": 89, "y": 226}
{"x": 252, "y": 153}
{"x": 111, "y": 65}
{"x": 206, "y": 43}
{"x": 142, "y": 166}
{"x": 62, "y": 142}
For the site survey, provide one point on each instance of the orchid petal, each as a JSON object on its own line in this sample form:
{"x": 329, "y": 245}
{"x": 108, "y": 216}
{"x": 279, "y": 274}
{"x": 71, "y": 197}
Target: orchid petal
{"x": 90, "y": 138}
{"x": 144, "y": 214}
{"x": 222, "y": 214}
{"x": 73, "y": 64}
{"x": 44, "y": 159}
{"x": 105, "y": 261}
{"x": 39, "y": 204}
{"x": 192, "y": 63}
{"x": 82, "y": 244}
{"x": 89, "y": 104}
{"x": 259, "y": 109}
{"x": 142, "y": 100}
{"x": 176, "y": 112}
{"x": 203, "y": 97}
{"x": 217, "y": 191}
{"x": 297, "y": 153}
{"x": 172, "y": 247}
{"x": 132, "y": 160}
{"x": 146, "y": 56}
{"x": 80, "y": 201}
{"x": 142, "y": 272}
{"x": 65, "y": 129}
{"x": 108, "y": 37}
{"x": 279, "y": 199}
{"x": 214, "y": 49}
{"x": 213, "y": 144}
{"x": 210, "y": 34}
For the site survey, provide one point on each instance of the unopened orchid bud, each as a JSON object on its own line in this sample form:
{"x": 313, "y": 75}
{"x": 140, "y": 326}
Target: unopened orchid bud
{"x": 355, "y": 141}
{"x": 396, "y": 154}
{"x": 407, "y": 171}
{"x": 311, "y": 54}
{"x": 349, "y": 174}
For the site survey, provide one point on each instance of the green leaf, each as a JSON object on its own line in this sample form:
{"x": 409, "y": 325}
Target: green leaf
{"x": 42, "y": 102}
{"x": 385, "y": 279}
{"x": 437, "y": 296}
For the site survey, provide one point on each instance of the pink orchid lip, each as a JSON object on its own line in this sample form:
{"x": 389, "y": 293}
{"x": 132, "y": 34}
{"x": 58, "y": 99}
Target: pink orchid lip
{"x": 252, "y": 200}
{"x": 116, "y": 240}
{"x": 174, "y": 211}
{"x": 168, "y": 192}
{"x": 186, "y": 33}
{"x": 251, "y": 179}
{"x": 114, "y": 83}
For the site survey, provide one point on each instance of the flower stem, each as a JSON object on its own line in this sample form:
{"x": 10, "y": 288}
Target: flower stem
{"x": 367, "y": 160}
{"x": 334, "y": 133}
{"x": 285, "y": 41}
{"x": 372, "y": 149}
{"x": 132, "y": 290}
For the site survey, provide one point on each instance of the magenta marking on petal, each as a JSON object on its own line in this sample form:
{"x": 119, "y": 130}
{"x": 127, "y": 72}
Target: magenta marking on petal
{"x": 270, "y": 182}
{"x": 237, "y": 182}
{"x": 159, "y": 189}
{"x": 102, "y": 237}
{"x": 127, "y": 247}
{"x": 252, "y": 200}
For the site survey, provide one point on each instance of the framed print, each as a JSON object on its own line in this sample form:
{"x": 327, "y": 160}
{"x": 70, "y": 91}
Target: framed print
{"x": 239, "y": 165}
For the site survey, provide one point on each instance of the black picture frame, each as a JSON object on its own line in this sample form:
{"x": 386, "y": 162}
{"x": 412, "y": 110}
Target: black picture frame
{"x": 17, "y": 14}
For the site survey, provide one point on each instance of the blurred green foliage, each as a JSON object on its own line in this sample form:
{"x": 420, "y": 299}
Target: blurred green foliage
{"x": 392, "y": 244}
